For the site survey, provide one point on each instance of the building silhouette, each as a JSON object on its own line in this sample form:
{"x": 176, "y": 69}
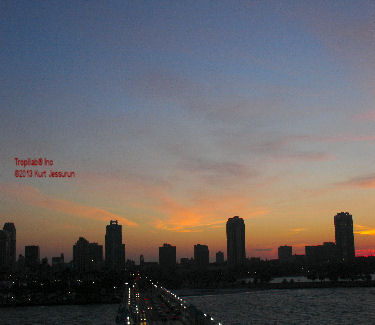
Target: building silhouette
{"x": 344, "y": 236}
{"x": 284, "y": 252}
{"x": 32, "y": 256}
{"x": 20, "y": 263}
{"x": 236, "y": 254}
{"x": 186, "y": 261}
{"x": 321, "y": 253}
{"x": 201, "y": 255}
{"x": 141, "y": 261}
{"x": 219, "y": 257}
{"x": 58, "y": 263}
{"x": 167, "y": 256}
{"x": 114, "y": 248}
{"x": 11, "y": 230}
{"x": 58, "y": 259}
{"x": 4, "y": 249}
{"x": 87, "y": 256}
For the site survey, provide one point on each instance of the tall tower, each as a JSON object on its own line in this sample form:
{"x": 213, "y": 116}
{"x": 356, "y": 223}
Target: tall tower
{"x": 114, "y": 248}
{"x": 11, "y": 230}
{"x": 4, "y": 249}
{"x": 344, "y": 236}
{"x": 201, "y": 255}
{"x": 236, "y": 254}
{"x": 32, "y": 256}
{"x": 167, "y": 256}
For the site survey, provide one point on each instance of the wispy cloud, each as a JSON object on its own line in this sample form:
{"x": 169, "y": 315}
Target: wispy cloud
{"x": 365, "y": 181}
{"x": 192, "y": 209}
{"x": 338, "y": 29}
{"x": 32, "y": 196}
{"x": 347, "y": 138}
{"x": 217, "y": 172}
{"x": 206, "y": 213}
{"x": 278, "y": 147}
{"x": 364, "y": 252}
{"x": 364, "y": 230}
{"x": 367, "y": 116}
{"x": 297, "y": 230}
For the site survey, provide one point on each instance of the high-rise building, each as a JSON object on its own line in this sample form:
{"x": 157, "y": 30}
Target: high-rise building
{"x": 321, "y": 253}
{"x": 114, "y": 248}
{"x": 344, "y": 236}
{"x": 11, "y": 230}
{"x": 87, "y": 256}
{"x": 58, "y": 259}
{"x": 284, "y": 252}
{"x": 167, "y": 255}
{"x": 201, "y": 255}
{"x": 141, "y": 261}
{"x": 4, "y": 249}
{"x": 236, "y": 254}
{"x": 219, "y": 257}
{"x": 32, "y": 256}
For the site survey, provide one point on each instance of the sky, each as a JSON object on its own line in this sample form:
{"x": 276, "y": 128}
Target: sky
{"x": 177, "y": 115}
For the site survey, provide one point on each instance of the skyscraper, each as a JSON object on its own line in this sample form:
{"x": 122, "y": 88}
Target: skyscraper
{"x": 201, "y": 255}
{"x": 11, "y": 230}
{"x": 32, "y": 256}
{"x": 167, "y": 255}
{"x": 284, "y": 252}
{"x": 344, "y": 236}
{"x": 236, "y": 241}
{"x": 114, "y": 248}
{"x": 87, "y": 256}
{"x": 4, "y": 248}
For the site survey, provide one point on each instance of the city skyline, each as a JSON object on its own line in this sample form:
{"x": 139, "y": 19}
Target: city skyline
{"x": 173, "y": 117}
{"x": 341, "y": 249}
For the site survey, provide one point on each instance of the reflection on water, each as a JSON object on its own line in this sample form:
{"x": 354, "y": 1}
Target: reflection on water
{"x": 59, "y": 315}
{"x": 299, "y": 306}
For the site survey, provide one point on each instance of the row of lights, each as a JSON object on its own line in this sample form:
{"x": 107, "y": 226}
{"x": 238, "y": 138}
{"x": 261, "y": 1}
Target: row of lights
{"x": 205, "y": 315}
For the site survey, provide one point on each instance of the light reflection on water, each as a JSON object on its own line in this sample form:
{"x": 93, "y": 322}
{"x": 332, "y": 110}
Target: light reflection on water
{"x": 298, "y": 306}
{"x": 59, "y": 315}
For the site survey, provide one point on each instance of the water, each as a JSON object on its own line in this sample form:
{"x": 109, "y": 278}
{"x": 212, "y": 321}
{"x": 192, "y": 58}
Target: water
{"x": 59, "y": 315}
{"x": 299, "y": 306}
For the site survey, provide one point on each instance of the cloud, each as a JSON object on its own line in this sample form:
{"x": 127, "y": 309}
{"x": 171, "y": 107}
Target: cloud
{"x": 215, "y": 101}
{"x": 32, "y": 196}
{"x": 278, "y": 147}
{"x": 347, "y": 138}
{"x": 337, "y": 26}
{"x": 364, "y": 230}
{"x": 207, "y": 212}
{"x": 192, "y": 208}
{"x": 366, "y": 181}
{"x": 217, "y": 172}
{"x": 365, "y": 252}
{"x": 367, "y": 116}
{"x": 297, "y": 230}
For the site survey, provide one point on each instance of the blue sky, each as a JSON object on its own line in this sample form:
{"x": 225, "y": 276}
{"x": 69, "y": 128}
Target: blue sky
{"x": 171, "y": 111}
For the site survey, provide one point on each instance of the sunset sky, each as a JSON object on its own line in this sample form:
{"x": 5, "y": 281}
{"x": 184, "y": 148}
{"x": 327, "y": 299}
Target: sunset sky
{"x": 176, "y": 115}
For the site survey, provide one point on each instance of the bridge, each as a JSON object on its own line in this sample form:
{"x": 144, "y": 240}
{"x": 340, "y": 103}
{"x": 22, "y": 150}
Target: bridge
{"x": 148, "y": 303}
